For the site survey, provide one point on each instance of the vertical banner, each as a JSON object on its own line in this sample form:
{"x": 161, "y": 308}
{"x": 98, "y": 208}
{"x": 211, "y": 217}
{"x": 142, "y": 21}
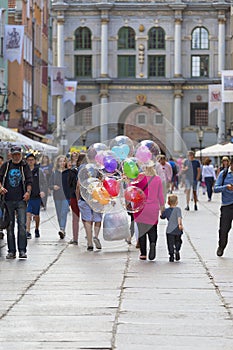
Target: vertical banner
{"x": 13, "y": 42}
{"x": 57, "y": 81}
{"x": 227, "y": 86}
{"x": 215, "y": 97}
{"x": 70, "y": 91}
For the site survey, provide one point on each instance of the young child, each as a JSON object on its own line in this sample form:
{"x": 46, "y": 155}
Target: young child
{"x": 174, "y": 228}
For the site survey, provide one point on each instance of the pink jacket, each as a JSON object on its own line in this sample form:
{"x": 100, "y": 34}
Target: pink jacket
{"x": 154, "y": 194}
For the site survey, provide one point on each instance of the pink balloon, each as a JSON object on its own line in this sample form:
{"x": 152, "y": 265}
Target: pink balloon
{"x": 143, "y": 154}
{"x": 99, "y": 158}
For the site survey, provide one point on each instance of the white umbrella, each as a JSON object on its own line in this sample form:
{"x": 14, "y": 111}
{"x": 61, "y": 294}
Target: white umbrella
{"x": 227, "y": 149}
{"x": 16, "y": 138}
{"x": 211, "y": 151}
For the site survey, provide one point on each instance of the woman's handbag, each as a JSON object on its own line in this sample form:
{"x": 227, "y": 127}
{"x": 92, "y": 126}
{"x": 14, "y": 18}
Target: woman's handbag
{"x": 4, "y": 215}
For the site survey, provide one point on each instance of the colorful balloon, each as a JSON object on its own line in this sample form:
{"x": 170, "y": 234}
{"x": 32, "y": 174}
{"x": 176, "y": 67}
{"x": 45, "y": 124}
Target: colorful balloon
{"x": 110, "y": 164}
{"x": 130, "y": 168}
{"x": 134, "y": 199}
{"x": 101, "y": 195}
{"x": 143, "y": 154}
{"x": 112, "y": 186}
{"x": 121, "y": 151}
{"x": 93, "y": 150}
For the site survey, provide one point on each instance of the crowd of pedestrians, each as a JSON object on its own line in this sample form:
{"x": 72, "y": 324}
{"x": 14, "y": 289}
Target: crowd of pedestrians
{"x": 26, "y": 183}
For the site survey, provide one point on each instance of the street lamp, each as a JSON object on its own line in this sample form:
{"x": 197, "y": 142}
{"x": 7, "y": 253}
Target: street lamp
{"x": 200, "y": 134}
{"x": 4, "y": 93}
{"x": 216, "y": 132}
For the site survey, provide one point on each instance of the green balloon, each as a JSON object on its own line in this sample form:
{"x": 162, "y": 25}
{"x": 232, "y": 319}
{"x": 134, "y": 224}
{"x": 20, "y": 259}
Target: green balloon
{"x": 131, "y": 169}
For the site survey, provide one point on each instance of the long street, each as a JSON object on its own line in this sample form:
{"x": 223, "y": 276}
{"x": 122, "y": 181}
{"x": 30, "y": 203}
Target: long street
{"x": 63, "y": 297}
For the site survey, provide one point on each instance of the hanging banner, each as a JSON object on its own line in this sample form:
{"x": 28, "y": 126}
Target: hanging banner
{"x": 13, "y": 42}
{"x": 227, "y": 86}
{"x": 70, "y": 91}
{"x": 215, "y": 97}
{"x": 57, "y": 81}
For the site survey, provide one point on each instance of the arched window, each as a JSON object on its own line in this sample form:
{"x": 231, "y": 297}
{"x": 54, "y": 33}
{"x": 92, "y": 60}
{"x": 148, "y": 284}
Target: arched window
{"x": 82, "y": 38}
{"x": 200, "y": 39}
{"x": 126, "y": 38}
{"x": 156, "y": 38}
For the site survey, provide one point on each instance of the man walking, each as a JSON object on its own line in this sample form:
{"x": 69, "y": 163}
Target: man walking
{"x": 224, "y": 184}
{"x": 192, "y": 171}
{"x": 16, "y": 185}
{"x": 38, "y": 192}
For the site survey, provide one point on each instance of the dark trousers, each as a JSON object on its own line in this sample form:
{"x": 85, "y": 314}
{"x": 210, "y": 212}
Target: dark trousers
{"x": 144, "y": 230}
{"x": 17, "y": 209}
{"x": 174, "y": 243}
{"x": 209, "y": 181}
{"x": 225, "y": 224}
{"x": 131, "y": 224}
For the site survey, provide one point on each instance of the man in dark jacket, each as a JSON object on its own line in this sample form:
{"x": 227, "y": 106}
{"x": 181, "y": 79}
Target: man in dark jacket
{"x": 16, "y": 186}
{"x": 38, "y": 192}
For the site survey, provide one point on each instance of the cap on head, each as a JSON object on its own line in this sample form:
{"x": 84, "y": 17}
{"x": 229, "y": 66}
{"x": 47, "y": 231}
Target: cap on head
{"x": 225, "y": 158}
{"x": 16, "y": 149}
{"x": 30, "y": 155}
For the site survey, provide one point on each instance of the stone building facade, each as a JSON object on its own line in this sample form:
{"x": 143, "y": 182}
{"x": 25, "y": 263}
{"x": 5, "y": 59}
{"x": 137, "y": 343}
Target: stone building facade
{"x": 143, "y": 69}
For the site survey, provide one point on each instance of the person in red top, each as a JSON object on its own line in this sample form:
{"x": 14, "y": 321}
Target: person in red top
{"x": 147, "y": 218}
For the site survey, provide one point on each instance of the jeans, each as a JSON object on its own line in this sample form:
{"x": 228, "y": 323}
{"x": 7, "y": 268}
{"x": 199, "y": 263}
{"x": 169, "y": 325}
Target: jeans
{"x": 225, "y": 224}
{"x": 209, "y": 181}
{"x": 62, "y": 209}
{"x": 173, "y": 241}
{"x": 145, "y": 229}
{"x": 18, "y": 208}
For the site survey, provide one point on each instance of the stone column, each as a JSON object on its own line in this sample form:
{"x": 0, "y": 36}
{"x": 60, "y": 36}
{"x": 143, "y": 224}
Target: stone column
{"x": 104, "y": 47}
{"x": 221, "y": 43}
{"x": 60, "y": 63}
{"x": 177, "y": 47}
{"x": 104, "y": 112}
{"x": 178, "y": 144}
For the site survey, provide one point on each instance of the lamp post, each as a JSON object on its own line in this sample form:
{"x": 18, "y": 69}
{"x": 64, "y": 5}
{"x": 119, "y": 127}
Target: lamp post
{"x": 216, "y": 132}
{"x": 4, "y": 93}
{"x": 63, "y": 140}
{"x": 200, "y": 134}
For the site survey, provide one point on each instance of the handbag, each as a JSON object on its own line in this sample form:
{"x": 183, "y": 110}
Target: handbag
{"x": 4, "y": 215}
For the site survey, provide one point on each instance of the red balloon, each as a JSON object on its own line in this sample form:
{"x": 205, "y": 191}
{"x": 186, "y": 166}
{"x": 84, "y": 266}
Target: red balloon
{"x": 112, "y": 186}
{"x": 134, "y": 199}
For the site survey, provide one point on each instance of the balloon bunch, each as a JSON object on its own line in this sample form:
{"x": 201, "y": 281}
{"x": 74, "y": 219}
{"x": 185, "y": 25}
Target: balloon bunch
{"x": 113, "y": 171}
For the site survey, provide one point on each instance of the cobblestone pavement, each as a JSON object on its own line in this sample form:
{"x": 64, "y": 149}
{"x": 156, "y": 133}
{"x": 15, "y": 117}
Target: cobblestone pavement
{"x": 63, "y": 297}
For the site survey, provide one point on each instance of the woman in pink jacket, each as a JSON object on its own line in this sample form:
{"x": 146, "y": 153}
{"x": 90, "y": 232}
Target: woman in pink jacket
{"x": 147, "y": 218}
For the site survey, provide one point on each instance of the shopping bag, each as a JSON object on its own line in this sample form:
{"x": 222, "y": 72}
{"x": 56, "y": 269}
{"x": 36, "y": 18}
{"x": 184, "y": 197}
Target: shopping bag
{"x": 116, "y": 226}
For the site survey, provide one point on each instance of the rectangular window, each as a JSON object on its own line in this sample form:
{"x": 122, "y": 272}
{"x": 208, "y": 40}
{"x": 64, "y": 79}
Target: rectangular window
{"x": 156, "y": 66}
{"x": 83, "y": 114}
{"x": 158, "y": 118}
{"x": 126, "y": 66}
{"x": 141, "y": 119}
{"x": 199, "y": 114}
{"x": 83, "y": 66}
{"x": 200, "y": 66}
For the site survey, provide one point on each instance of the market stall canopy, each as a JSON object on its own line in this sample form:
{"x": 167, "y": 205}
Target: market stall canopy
{"x": 227, "y": 149}
{"x": 212, "y": 151}
{"x": 9, "y": 137}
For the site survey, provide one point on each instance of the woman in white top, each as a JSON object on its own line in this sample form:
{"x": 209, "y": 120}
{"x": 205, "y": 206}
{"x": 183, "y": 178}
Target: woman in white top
{"x": 208, "y": 176}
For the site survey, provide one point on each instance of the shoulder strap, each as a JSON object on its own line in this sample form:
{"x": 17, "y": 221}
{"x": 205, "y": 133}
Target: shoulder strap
{"x": 147, "y": 183}
{"x": 224, "y": 175}
{"x": 23, "y": 178}
{"x": 4, "y": 176}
